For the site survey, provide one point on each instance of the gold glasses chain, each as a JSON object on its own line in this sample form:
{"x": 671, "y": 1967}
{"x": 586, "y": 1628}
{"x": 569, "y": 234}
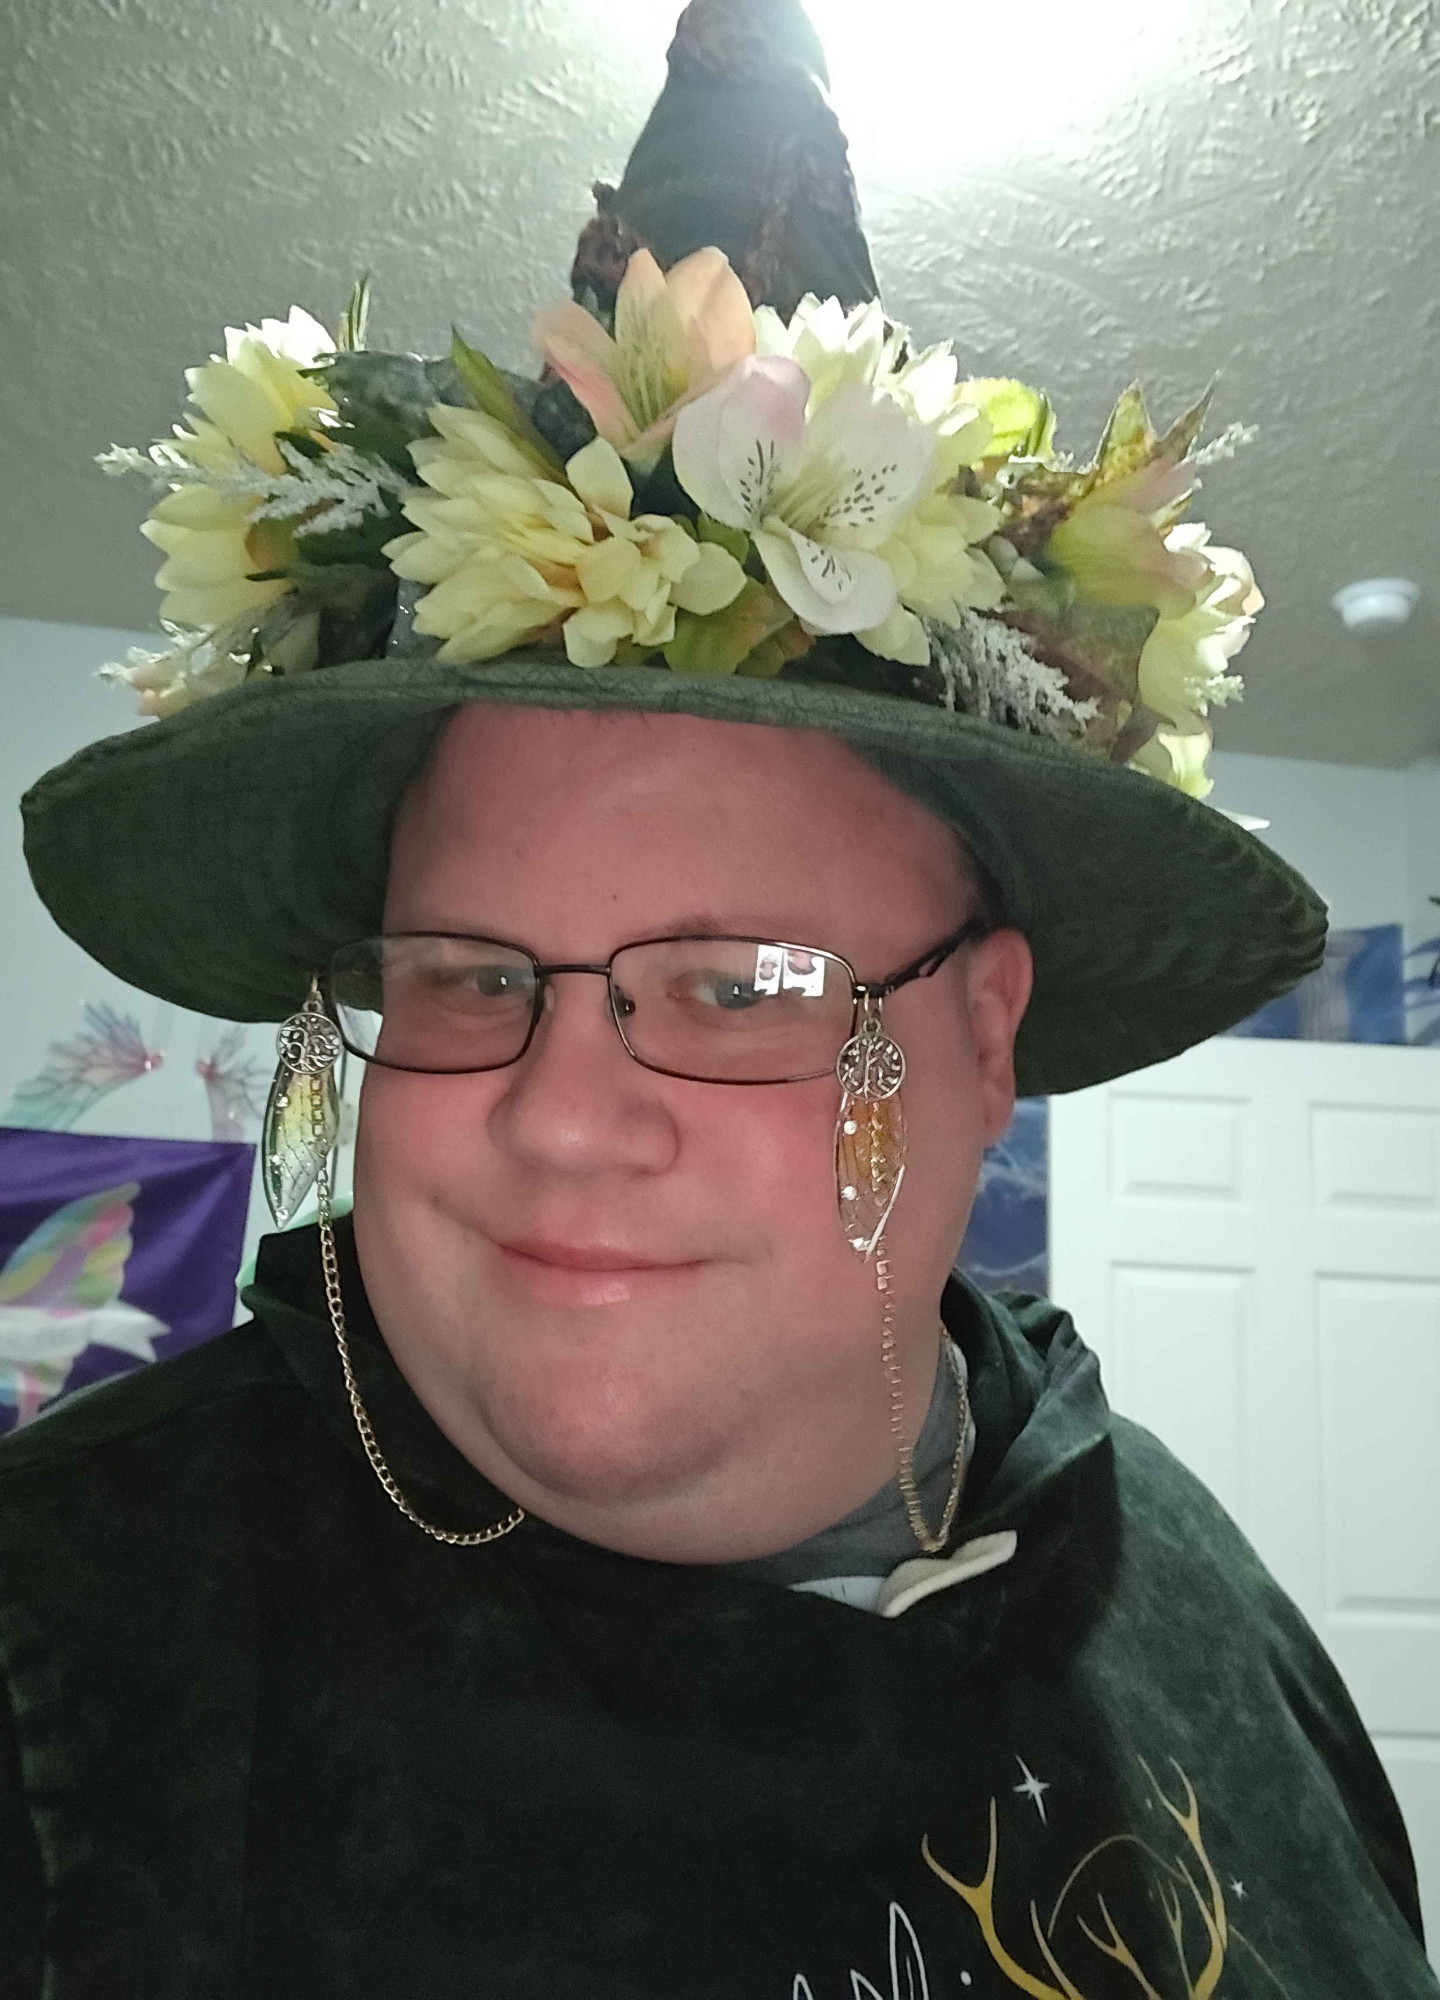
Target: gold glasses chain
{"x": 334, "y": 1299}
{"x": 932, "y": 1544}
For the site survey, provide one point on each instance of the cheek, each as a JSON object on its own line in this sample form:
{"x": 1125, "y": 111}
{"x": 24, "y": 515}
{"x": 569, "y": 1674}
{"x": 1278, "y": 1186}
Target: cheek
{"x": 416, "y": 1133}
{"x": 762, "y": 1155}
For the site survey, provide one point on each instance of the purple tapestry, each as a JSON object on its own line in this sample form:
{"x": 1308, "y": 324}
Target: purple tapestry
{"x": 113, "y": 1252}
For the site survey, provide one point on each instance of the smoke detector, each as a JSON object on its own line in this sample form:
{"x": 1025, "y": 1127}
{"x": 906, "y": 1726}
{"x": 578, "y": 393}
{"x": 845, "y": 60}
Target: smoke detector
{"x": 1377, "y": 606}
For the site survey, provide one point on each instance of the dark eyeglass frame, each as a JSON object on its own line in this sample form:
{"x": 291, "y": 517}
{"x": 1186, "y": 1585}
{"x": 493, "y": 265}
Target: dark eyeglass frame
{"x": 861, "y": 992}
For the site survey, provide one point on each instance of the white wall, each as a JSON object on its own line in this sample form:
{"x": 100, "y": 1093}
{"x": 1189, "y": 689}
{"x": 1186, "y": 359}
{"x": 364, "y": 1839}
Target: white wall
{"x": 1348, "y": 828}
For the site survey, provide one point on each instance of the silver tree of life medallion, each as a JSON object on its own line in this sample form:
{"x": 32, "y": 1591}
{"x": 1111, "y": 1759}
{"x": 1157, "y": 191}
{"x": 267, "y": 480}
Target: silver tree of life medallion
{"x": 871, "y": 1066}
{"x": 309, "y": 1042}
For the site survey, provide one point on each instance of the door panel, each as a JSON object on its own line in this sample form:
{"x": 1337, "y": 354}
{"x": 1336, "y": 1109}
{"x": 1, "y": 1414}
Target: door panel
{"x": 1249, "y": 1237}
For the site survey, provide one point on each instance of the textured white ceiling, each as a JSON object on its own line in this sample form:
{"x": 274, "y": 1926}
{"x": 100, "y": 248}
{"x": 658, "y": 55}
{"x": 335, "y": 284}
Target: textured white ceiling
{"x": 1255, "y": 193}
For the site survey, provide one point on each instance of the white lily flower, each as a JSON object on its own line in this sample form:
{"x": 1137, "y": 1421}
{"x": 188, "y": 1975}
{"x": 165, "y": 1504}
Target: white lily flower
{"x": 817, "y": 497}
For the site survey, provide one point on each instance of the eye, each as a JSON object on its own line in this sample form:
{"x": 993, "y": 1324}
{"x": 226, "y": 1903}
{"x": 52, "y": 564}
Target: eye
{"x": 500, "y": 982}
{"x": 731, "y": 996}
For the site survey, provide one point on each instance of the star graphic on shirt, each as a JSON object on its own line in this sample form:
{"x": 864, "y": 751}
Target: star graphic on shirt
{"x": 1033, "y": 1788}
{"x": 1238, "y": 1891}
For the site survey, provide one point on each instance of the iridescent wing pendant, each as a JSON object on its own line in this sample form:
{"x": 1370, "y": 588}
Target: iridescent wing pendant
{"x": 302, "y": 1120}
{"x": 869, "y": 1167}
{"x": 302, "y": 1113}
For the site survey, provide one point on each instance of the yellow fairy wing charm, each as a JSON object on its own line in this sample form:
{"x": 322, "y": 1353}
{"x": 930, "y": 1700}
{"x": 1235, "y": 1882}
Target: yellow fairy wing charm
{"x": 869, "y": 1167}
{"x": 302, "y": 1113}
{"x": 870, "y": 1131}
{"x": 302, "y": 1120}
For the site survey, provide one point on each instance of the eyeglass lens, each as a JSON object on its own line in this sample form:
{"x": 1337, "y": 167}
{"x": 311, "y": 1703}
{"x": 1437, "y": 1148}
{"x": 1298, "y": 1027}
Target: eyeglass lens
{"x": 724, "y": 1010}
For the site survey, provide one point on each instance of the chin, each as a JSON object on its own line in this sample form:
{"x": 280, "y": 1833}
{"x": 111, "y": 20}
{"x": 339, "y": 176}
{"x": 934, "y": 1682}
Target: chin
{"x": 599, "y": 1433}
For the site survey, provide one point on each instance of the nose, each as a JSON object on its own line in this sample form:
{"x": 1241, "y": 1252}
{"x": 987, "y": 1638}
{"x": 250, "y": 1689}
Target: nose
{"x": 576, "y": 1103}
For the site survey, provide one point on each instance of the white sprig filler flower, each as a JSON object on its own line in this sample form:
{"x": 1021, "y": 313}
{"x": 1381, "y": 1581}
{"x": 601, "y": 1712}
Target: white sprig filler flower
{"x": 989, "y": 671}
{"x": 194, "y": 665}
{"x": 323, "y": 496}
{"x": 817, "y": 495}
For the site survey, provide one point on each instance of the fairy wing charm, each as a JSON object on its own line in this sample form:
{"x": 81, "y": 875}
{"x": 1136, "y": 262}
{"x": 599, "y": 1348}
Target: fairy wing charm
{"x": 870, "y": 1139}
{"x": 302, "y": 1114}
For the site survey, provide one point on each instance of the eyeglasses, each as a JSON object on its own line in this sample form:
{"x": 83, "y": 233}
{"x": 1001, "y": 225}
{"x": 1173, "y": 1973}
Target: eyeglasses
{"x": 709, "y": 1009}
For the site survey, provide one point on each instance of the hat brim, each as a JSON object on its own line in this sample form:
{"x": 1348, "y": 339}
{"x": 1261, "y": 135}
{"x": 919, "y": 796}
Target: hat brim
{"x": 217, "y": 858}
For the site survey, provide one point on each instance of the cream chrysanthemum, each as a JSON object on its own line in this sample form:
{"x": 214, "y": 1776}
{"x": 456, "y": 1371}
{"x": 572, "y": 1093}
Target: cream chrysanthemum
{"x": 509, "y": 556}
{"x": 213, "y": 545}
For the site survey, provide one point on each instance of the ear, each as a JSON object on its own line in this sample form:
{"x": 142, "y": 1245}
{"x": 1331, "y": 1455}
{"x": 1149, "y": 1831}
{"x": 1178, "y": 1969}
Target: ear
{"x": 999, "y": 975}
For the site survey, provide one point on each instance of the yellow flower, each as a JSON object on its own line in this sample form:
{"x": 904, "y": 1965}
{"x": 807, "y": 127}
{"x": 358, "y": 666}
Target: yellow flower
{"x": 1113, "y": 546}
{"x": 212, "y": 546}
{"x": 1184, "y": 668}
{"x": 938, "y": 569}
{"x": 1177, "y": 758}
{"x": 835, "y": 347}
{"x": 511, "y": 557}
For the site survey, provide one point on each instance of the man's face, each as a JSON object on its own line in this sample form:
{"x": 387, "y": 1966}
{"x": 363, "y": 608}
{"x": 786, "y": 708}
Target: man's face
{"x": 710, "y": 1387}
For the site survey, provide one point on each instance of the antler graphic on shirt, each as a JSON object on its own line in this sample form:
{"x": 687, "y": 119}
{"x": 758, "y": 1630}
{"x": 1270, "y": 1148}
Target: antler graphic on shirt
{"x": 1172, "y": 1876}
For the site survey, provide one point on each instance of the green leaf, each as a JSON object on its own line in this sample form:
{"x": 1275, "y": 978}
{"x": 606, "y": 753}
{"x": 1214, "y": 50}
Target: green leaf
{"x": 1180, "y": 438}
{"x": 734, "y": 541}
{"x": 350, "y": 334}
{"x": 1129, "y": 441}
{"x": 489, "y": 392}
{"x": 717, "y": 644}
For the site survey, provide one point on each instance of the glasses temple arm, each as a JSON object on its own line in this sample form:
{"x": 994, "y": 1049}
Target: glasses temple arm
{"x": 926, "y": 966}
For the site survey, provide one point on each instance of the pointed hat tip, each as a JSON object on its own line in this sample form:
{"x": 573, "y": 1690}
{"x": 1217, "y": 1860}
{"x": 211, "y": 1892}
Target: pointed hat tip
{"x": 742, "y": 151}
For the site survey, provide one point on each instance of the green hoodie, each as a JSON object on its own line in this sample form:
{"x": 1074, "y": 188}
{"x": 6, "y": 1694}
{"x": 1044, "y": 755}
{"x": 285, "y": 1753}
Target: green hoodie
{"x": 260, "y": 1738}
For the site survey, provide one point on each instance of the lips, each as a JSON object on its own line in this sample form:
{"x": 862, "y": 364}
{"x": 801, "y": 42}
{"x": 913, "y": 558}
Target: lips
{"x": 581, "y": 1257}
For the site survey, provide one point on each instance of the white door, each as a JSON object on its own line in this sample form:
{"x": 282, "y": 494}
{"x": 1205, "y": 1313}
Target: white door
{"x": 1249, "y": 1237}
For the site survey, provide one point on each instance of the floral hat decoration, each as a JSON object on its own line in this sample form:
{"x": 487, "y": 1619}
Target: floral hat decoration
{"x": 736, "y": 489}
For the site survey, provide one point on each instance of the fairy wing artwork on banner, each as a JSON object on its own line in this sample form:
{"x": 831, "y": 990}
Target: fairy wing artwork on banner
{"x": 1357, "y": 994}
{"x": 107, "y": 1052}
{"x": 1006, "y": 1246}
{"x": 235, "y": 1084}
{"x": 60, "y": 1293}
{"x": 113, "y": 1252}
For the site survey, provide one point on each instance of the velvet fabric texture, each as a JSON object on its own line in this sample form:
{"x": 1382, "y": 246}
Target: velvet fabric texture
{"x": 262, "y": 1737}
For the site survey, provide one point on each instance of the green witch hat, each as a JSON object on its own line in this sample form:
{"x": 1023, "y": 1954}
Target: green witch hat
{"x": 736, "y": 491}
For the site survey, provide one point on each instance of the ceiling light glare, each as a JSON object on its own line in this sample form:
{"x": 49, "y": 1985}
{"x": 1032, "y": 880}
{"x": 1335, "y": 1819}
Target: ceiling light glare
{"x": 937, "y": 84}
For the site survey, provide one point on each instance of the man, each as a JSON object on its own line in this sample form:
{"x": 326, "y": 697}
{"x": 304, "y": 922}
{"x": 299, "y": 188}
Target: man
{"x": 620, "y": 1560}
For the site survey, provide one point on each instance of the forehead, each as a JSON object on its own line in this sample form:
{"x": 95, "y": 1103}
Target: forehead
{"x": 575, "y": 830}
